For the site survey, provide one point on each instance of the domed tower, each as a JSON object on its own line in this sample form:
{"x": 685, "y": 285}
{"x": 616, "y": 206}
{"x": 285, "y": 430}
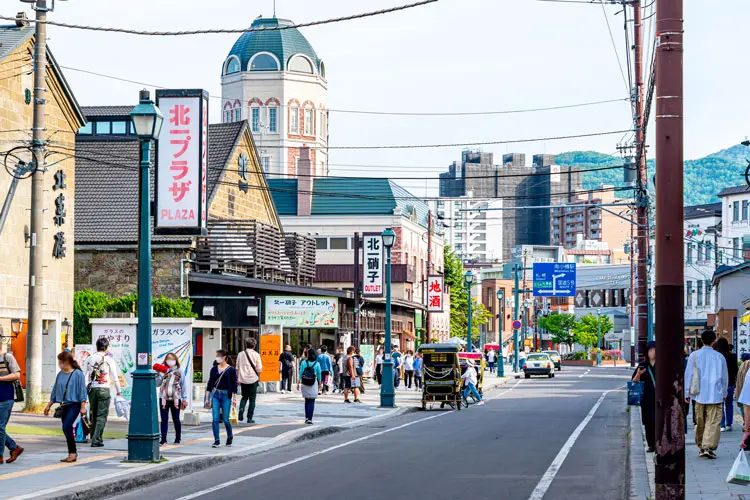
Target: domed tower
{"x": 276, "y": 81}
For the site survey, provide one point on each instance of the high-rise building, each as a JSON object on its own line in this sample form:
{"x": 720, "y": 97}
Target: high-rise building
{"x": 275, "y": 80}
{"x": 475, "y": 235}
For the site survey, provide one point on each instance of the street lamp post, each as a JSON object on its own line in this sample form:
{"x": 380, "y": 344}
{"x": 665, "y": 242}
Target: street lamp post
{"x": 143, "y": 432}
{"x": 599, "y": 337}
{"x": 469, "y": 280}
{"x": 387, "y": 391}
{"x": 501, "y": 316}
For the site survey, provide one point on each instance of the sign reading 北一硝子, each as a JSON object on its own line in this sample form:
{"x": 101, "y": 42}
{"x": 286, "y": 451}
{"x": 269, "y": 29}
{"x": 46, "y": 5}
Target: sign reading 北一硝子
{"x": 372, "y": 264}
{"x": 181, "y": 162}
{"x": 302, "y": 311}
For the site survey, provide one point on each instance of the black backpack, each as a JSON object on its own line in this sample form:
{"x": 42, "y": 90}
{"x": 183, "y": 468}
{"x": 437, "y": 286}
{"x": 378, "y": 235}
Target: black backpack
{"x": 308, "y": 374}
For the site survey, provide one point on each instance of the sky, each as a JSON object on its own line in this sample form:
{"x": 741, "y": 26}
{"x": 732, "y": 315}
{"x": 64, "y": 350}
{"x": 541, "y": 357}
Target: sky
{"x": 450, "y": 56}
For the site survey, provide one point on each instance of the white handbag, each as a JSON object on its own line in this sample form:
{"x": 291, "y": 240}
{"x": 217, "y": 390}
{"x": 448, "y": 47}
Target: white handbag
{"x": 695, "y": 382}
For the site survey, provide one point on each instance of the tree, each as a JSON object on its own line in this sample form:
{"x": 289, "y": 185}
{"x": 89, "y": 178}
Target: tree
{"x": 454, "y": 279}
{"x": 586, "y": 330}
{"x": 560, "y": 327}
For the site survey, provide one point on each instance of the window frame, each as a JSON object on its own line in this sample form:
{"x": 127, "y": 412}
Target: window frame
{"x": 121, "y": 122}
{"x": 229, "y": 60}
{"x": 339, "y": 240}
{"x": 699, "y": 293}
{"x": 304, "y": 58}
{"x": 87, "y": 129}
{"x": 744, "y": 210}
{"x": 318, "y": 240}
{"x": 294, "y": 120}
{"x": 261, "y": 54}
{"x": 308, "y": 129}
{"x": 273, "y": 119}
{"x": 237, "y": 114}
{"x": 689, "y": 254}
{"x": 255, "y": 119}
{"x": 689, "y": 290}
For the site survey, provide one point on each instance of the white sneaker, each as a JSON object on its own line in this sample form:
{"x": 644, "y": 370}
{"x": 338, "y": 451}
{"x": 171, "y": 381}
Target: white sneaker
{"x": 282, "y": 391}
{"x": 480, "y": 403}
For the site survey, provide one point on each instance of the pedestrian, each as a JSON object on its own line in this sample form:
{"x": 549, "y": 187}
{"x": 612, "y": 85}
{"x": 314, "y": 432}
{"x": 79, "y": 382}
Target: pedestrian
{"x": 286, "y": 367}
{"x": 725, "y": 349}
{"x": 743, "y": 399}
{"x": 491, "y": 356}
{"x": 646, "y": 373}
{"x": 221, "y": 393}
{"x": 408, "y": 369}
{"x": 9, "y": 373}
{"x": 360, "y": 368}
{"x": 349, "y": 374}
{"x": 469, "y": 379}
{"x": 69, "y": 391}
{"x": 310, "y": 377}
{"x": 249, "y": 368}
{"x": 101, "y": 374}
{"x": 418, "y": 366}
{"x": 709, "y": 368}
{"x": 741, "y": 376}
{"x": 396, "y": 357}
{"x": 326, "y": 367}
{"x": 379, "y": 366}
{"x": 342, "y": 371}
{"x": 336, "y": 378}
{"x": 172, "y": 397}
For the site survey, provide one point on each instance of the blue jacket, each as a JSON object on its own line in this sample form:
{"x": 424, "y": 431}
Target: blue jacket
{"x": 417, "y": 365}
{"x": 324, "y": 360}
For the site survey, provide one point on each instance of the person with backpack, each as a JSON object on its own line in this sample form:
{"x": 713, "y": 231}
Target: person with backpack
{"x": 309, "y": 381}
{"x": 326, "y": 367}
{"x": 396, "y": 356}
{"x": 249, "y": 368}
{"x": 101, "y": 373}
{"x": 9, "y": 376}
{"x": 172, "y": 397}
{"x": 360, "y": 367}
{"x": 646, "y": 373}
{"x": 70, "y": 392}
{"x": 286, "y": 367}
{"x": 418, "y": 366}
{"x": 221, "y": 395}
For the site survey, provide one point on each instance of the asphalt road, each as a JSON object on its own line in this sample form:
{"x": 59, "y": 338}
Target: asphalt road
{"x": 560, "y": 438}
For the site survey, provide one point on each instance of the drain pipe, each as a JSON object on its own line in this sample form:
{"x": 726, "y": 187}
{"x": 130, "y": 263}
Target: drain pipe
{"x": 182, "y": 276}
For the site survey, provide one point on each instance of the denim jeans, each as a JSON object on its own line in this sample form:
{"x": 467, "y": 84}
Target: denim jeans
{"x": 471, "y": 388}
{"x": 221, "y": 405}
{"x": 70, "y": 414}
{"x": 309, "y": 408}
{"x": 5, "y": 440}
{"x": 171, "y": 407}
{"x": 727, "y": 417}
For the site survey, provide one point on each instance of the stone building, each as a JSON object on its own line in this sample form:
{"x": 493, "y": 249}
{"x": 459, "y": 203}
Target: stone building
{"x": 63, "y": 118}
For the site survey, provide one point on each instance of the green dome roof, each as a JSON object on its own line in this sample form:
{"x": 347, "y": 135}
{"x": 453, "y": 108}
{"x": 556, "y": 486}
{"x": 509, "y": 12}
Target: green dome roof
{"x": 282, "y": 43}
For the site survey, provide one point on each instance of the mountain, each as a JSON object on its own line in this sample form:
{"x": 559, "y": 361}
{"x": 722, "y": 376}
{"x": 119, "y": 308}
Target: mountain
{"x": 704, "y": 177}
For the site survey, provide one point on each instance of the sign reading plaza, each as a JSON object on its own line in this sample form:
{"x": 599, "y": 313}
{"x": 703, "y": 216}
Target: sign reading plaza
{"x": 302, "y": 311}
{"x": 554, "y": 279}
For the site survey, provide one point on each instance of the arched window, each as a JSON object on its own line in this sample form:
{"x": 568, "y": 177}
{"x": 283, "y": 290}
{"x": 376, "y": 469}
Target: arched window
{"x": 300, "y": 64}
{"x": 322, "y": 69}
{"x": 264, "y": 62}
{"x": 232, "y": 66}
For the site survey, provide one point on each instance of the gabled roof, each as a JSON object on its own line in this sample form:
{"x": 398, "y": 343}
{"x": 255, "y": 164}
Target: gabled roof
{"x": 725, "y": 270}
{"x": 734, "y": 190}
{"x": 106, "y": 201}
{"x": 107, "y": 111}
{"x": 700, "y": 211}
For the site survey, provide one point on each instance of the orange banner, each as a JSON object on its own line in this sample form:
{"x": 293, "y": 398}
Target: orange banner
{"x": 270, "y": 350}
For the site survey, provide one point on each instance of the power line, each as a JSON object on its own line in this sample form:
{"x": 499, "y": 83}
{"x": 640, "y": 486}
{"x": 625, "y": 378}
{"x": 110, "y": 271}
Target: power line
{"x": 231, "y": 30}
{"x": 614, "y": 46}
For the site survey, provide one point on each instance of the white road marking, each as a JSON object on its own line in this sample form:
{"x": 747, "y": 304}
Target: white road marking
{"x": 584, "y": 373}
{"x": 546, "y": 481}
{"x": 504, "y": 392}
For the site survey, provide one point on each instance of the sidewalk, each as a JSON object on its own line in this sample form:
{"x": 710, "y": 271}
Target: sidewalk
{"x": 100, "y": 472}
{"x": 705, "y": 479}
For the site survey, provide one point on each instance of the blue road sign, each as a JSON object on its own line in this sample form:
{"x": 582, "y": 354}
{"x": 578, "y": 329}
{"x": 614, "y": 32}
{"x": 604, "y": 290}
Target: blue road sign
{"x": 554, "y": 279}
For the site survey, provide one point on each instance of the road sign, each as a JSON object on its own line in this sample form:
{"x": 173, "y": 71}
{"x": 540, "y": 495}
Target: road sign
{"x": 516, "y": 325}
{"x": 554, "y": 279}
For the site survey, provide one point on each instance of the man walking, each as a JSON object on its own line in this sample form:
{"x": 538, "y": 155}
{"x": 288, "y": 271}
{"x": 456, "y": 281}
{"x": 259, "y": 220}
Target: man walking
{"x": 706, "y": 381}
{"x": 9, "y": 373}
{"x": 101, "y": 373}
{"x": 249, "y": 368}
{"x": 491, "y": 360}
{"x": 326, "y": 367}
{"x": 286, "y": 366}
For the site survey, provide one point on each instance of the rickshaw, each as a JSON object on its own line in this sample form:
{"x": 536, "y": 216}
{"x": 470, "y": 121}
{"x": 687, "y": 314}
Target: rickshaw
{"x": 442, "y": 375}
{"x": 479, "y": 365}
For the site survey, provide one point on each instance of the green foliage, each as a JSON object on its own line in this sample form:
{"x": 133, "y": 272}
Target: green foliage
{"x": 576, "y": 356}
{"x": 89, "y": 304}
{"x": 454, "y": 279}
{"x": 586, "y": 330}
{"x": 560, "y": 327}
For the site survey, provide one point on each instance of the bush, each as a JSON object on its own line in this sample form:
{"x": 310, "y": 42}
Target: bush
{"x": 575, "y": 356}
{"x": 612, "y": 354}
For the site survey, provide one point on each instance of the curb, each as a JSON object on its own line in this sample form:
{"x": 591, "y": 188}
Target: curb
{"x": 155, "y": 473}
{"x": 640, "y": 484}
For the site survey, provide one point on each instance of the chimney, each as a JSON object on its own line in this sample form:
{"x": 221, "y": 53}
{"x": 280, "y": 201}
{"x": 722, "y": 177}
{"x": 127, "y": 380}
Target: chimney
{"x": 304, "y": 182}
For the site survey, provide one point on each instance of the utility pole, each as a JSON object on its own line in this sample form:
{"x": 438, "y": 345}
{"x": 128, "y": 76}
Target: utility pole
{"x": 357, "y": 288}
{"x": 642, "y": 191}
{"x": 631, "y": 295}
{"x": 670, "y": 319}
{"x": 428, "y": 272}
{"x": 36, "y": 246}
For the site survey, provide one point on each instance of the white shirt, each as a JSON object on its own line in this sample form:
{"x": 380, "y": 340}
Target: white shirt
{"x": 409, "y": 363}
{"x": 745, "y": 394}
{"x": 107, "y": 371}
{"x": 714, "y": 378}
{"x": 470, "y": 375}
{"x": 245, "y": 372}
{"x": 491, "y": 357}
{"x": 379, "y": 359}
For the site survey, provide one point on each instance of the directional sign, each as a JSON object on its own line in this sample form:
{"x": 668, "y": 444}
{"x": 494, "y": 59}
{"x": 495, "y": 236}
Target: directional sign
{"x": 554, "y": 279}
{"x": 516, "y": 325}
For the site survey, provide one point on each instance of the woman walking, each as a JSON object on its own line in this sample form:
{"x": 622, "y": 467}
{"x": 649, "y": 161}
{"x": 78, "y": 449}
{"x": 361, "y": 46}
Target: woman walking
{"x": 221, "y": 393}
{"x": 408, "y": 369}
{"x": 379, "y": 366}
{"x": 309, "y": 380}
{"x": 418, "y": 363}
{"x": 70, "y": 392}
{"x": 646, "y": 373}
{"x": 172, "y": 398}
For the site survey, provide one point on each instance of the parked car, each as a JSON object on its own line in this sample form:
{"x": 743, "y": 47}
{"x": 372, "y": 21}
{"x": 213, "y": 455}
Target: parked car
{"x": 539, "y": 363}
{"x": 556, "y": 359}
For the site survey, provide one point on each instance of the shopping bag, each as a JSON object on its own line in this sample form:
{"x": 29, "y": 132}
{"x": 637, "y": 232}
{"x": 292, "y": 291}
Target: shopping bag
{"x": 122, "y": 407}
{"x": 740, "y": 471}
{"x": 78, "y": 430}
{"x": 635, "y": 392}
{"x": 233, "y": 416}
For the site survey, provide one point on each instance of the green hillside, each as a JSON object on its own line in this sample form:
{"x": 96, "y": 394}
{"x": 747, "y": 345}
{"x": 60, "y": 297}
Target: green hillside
{"x": 704, "y": 177}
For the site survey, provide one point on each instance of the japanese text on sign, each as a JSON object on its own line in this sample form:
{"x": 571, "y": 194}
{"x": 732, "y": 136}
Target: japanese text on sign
{"x": 435, "y": 293}
{"x": 554, "y": 279}
{"x": 372, "y": 264}
{"x": 303, "y": 312}
{"x": 270, "y": 350}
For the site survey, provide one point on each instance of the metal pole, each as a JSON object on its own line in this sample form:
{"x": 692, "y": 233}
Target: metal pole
{"x": 515, "y": 318}
{"x": 500, "y": 360}
{"x": 357, "y": 288}
{"x": 143, "y": 432}
{"x": 36, "y": 247}
{"x": 631, "y": 295}
{"x": 468, "y": 328}
{"x": 642, "y": 217}
{"x": 387, "y": 391}
{"x": 598, "y": 339}
{"x": 670, "y": 438}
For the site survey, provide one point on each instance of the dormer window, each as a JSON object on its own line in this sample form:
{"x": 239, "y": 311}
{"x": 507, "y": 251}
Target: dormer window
{"x": 301, "y": 64}
{"x": 232, "y": 66}
{"x": 263, "y": 62}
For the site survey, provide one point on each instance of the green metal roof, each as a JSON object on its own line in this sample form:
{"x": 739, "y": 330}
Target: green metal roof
{"x": 284, "y": 194}
{"x": 282, "y": 43}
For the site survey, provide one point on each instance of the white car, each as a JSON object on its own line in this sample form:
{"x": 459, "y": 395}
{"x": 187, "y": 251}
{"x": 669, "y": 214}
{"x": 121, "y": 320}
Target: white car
{"x": 538, "y": 363}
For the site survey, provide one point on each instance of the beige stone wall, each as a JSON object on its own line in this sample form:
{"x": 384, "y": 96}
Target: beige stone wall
{"x": 115, "y": 272}
{"x": 15, "y": 125}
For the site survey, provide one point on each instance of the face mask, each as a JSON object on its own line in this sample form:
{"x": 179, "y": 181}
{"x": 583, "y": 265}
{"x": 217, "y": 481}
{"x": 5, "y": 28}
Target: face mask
{"x": 219, "y": 360}
{"x": 60, "y": 367}
{"x": 171, "y": 363}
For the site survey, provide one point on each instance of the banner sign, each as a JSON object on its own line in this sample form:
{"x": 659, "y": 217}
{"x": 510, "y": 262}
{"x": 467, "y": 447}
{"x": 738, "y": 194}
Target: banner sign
{"x": 435, "y": 293}
{"x": 181, "y": 162}
{"x": 372, "y": 264}
{"x": 270, "y": 350}
{"x": 368, "y": 352}
{"x": 303, "y": 311}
